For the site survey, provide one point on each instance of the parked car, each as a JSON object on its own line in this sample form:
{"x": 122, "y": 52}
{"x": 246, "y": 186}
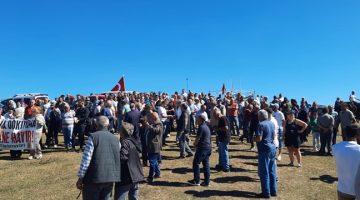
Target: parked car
{"x": 24, "y": 98}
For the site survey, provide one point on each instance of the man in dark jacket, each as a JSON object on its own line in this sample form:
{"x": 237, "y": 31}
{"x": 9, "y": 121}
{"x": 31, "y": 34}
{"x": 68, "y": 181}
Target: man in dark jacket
{"x": 82, "y": 115}
{"x": 133, "y": 117}
{"x": 54, "y": 123}
{"x": 154, "y": 136}
{"x": 224, "y": 136}
{"x": 100, "y": 165}
{"x": 131, "y": 169}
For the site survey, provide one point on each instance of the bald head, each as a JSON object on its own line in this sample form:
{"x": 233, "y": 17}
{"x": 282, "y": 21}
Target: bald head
{"x": 154, "y": 116}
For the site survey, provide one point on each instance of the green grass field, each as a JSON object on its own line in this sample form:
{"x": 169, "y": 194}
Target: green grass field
{"x": 54, "y": 176}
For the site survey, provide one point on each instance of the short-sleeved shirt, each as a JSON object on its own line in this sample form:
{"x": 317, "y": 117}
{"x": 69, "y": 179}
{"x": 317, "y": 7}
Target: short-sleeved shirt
{"x": 266, "y": 129}
{"x": 204, "y": 136}
{"x": 280, "y": 118}
{"x": 162, "y": 112}
{"x": 347, "y": 157}
{"x": 326, "y": 121}
{"x": 346, "y": 118}
{"x": 224, "y": 136}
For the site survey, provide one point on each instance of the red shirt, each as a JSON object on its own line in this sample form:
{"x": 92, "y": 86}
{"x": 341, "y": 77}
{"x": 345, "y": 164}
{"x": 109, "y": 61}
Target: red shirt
{"x": 233, "y": 110}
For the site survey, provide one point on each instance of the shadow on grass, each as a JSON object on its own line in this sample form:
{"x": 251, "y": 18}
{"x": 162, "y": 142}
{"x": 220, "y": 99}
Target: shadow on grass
{"x": 163, "y": 157}
{"x": 234, "y": 179}
{"x": 57, "y": 150}
{"x": 250, "y": 163}
{"x": 212, "y": 193}
{"x": 181, "y": 170}
{"x": 326, "y": 179}
{"x": 11, "y": 159}
{"x": 170, "y": 184}
{"x": 245, "y": 157}
{"x": 239, "y": 169}
{"x": 306, "y": 152}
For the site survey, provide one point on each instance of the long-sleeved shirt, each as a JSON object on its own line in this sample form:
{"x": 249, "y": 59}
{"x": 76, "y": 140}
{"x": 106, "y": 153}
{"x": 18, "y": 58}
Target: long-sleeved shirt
{"x": 86, "y": 159}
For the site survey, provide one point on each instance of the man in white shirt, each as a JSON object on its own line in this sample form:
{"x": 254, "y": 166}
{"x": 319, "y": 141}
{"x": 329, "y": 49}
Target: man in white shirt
{"x": 165, "y": 119}
{"x": 347, "y": 157}
{"x": 280, "y": 118}
{"x": 353, "y": 97}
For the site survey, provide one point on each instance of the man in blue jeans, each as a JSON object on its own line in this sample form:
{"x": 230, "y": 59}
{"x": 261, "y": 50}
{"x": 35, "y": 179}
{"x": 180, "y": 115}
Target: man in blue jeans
{"x": 224, "y": 135}
{"x": 203, "y": 152}
{"x": 264, "y": 137}
{"x": 155, "y": 131}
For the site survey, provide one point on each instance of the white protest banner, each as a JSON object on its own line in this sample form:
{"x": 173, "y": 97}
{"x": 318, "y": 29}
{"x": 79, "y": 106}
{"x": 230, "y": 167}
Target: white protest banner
{"x": 17, "y": 134}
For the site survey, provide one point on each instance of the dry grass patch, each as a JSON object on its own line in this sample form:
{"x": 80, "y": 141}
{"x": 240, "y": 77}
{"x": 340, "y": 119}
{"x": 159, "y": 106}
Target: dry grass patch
{"x": 54, "y": 176}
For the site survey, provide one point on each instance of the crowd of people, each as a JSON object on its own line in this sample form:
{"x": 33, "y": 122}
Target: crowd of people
{"x": 145, "y": 120}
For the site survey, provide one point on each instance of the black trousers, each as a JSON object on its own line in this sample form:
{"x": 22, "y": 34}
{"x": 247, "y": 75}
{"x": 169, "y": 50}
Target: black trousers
{"x": 79, "y": 131}
{"x": 335, "y": 130}
{"x": 326, "y": 140}
{"x": 53, "y": 132}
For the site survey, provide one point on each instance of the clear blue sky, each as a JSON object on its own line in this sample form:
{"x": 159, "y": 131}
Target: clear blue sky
{"x": 300, "y": 48}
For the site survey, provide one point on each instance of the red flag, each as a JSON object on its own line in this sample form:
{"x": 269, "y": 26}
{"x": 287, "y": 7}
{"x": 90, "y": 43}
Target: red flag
{"x": 120, "y": 86}
{"x": 223, "y": 89}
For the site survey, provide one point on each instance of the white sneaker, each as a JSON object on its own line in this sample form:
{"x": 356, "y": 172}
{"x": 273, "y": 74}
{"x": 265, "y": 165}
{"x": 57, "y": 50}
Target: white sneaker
{"x": 278, "y": 158}
{"x": 55, "y": 146}
{"x": 30, "y": 157}
{"x": 299, "y": 165}
{"x": 38, "y": 157}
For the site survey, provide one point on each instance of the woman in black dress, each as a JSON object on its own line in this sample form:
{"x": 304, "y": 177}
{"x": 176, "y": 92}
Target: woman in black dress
{"x": 293, "y": 130}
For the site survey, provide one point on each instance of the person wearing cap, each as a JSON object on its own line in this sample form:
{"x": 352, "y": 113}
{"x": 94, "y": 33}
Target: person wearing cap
{"x": 280, "y": 118}
{"x": 100, "y": 166}
{"x": 264, "y": 138}
{"x": 131, "y": 169}
{"x": 203, "y": 152}
{"x": 292, "y": 137}
{"x": 347, "y": 158}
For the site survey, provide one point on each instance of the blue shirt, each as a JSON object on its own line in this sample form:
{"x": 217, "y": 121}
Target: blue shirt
{"x": 266, "y": 130}
{"x": 204, "y": 136}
